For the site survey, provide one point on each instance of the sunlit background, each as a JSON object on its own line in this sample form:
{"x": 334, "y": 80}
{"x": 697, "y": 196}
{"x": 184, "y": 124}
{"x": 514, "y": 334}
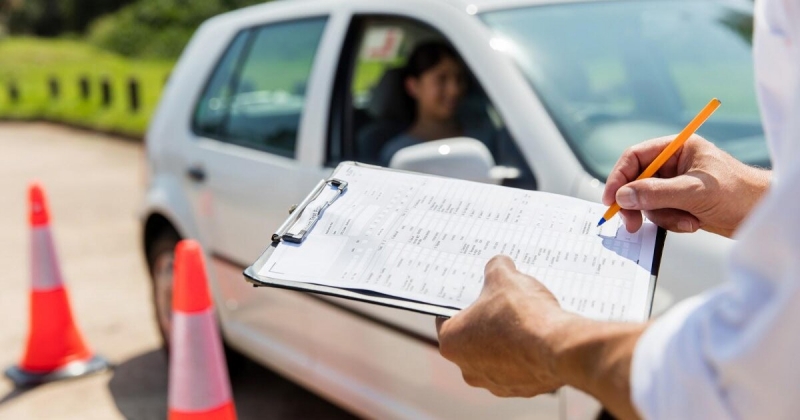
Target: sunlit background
{"x": 553, "y": 92}
{"x": 94, "y": 63}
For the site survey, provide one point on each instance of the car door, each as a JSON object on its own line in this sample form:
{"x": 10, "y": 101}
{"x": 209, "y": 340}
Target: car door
{"x": 243, "y": 167}
{"x": 363, "y": 113}
{"x": 367, "y": 110}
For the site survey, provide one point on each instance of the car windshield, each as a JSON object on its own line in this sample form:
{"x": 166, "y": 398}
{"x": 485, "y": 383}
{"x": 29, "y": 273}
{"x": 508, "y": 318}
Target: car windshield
{"x": 613, "y": 74}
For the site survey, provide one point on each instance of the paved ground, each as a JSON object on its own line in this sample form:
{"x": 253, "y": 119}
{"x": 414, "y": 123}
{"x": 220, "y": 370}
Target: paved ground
{"x": 94, "y": 186}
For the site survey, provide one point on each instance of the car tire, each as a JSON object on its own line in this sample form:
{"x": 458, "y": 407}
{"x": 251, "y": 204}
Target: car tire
{"x": 160, "y": 257}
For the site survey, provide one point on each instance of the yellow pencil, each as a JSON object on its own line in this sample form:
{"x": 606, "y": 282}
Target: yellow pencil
{"x": 667, "y": 153}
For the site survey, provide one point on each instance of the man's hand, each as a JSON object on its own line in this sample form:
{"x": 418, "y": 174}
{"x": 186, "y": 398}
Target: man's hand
{"x": 700, "y": 187}
{"x": 516, "y": 341}
{"x": 501, "y": 342}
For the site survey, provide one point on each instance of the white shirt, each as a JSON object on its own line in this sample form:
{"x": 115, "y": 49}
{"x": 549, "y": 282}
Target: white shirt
{"x": 734, "y": 352}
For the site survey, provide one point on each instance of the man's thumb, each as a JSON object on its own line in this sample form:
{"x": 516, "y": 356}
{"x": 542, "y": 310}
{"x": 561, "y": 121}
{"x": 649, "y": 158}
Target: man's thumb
{"x": 681, "y": 192}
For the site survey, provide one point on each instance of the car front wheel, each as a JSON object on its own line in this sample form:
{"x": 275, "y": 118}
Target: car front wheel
{"x": 160, "y": 260}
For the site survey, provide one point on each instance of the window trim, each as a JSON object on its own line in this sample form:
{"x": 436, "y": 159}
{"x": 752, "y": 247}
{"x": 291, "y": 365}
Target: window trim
{"x": 234, "y": 81}
{"x": 340, "y": 123}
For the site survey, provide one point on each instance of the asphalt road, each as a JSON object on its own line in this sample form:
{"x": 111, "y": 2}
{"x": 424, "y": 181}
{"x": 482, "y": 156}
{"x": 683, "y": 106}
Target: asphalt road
{"x": 94, "y": 186}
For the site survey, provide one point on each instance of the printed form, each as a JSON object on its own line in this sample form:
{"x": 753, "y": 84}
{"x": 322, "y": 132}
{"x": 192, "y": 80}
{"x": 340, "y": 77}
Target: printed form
{"x": 428, "y": 239}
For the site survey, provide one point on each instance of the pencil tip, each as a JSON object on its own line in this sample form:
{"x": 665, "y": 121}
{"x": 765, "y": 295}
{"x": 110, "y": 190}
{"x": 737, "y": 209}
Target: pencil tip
{"x": 602, "y": 220}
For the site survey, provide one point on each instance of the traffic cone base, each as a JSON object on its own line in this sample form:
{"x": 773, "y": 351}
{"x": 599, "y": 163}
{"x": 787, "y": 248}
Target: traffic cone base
{"x": 227, "y": 411}
{"x": 24, "y": 378}
{"x": 54, "y": 340}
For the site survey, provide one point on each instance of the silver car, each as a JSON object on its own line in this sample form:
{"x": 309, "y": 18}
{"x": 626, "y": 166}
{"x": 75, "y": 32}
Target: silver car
{"x": 266, "y": 100}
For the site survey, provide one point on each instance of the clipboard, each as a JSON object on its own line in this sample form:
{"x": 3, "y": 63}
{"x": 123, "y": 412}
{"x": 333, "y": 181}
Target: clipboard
{"x": 282, "y": 234}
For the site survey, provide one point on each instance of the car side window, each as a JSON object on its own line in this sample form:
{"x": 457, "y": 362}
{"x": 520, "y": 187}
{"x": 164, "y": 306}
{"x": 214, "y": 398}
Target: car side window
{"x": 213, "y": 106}
{"x": 259, "y": 103}
{"x": 373, "y": 107}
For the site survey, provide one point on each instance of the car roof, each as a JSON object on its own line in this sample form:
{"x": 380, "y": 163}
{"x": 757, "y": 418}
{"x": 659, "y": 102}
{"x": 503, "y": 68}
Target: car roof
{"x": 478, "y": 6}
{"x": 467, "y": 6}
{"x": 487, "y": 5}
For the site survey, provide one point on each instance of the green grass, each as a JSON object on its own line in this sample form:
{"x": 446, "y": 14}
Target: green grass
{"x": 31, "y": 62}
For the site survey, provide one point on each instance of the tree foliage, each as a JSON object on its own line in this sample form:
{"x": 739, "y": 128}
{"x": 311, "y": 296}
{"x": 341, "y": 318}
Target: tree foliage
{"x": 157, "y": 28}
{"x": 134, "y": 28}
{"x": 54, "y": 17}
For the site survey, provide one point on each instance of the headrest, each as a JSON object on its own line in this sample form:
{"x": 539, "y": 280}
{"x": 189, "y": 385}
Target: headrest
{"x": 389, "y": 100}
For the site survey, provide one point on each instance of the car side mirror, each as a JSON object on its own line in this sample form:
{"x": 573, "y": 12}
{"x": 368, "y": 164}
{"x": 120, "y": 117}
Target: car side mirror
{"x": 458, "y": 157}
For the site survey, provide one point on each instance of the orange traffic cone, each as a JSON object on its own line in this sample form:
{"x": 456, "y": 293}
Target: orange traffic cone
{"x": 55, "y": 348}
{"x": 198, "y": 376}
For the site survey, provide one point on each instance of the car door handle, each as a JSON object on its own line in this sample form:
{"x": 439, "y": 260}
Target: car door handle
{"x": 196, "y": 173}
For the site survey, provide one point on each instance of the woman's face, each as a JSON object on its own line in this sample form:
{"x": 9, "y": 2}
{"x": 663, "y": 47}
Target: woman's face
{"x": 438, "y": 90}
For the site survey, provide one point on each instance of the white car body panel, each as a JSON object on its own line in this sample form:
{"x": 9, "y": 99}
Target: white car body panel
{"x": 375, "y": 361}
{"x": 166, "y": 199}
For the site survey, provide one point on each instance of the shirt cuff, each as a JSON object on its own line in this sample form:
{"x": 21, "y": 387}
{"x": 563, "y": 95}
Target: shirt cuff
{"x": 657, "y": 370}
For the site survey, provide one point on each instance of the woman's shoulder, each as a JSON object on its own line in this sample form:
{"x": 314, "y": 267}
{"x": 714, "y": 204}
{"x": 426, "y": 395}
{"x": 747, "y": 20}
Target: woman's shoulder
{"x": 396, "y": 143}
{"x": 403, "y": 140}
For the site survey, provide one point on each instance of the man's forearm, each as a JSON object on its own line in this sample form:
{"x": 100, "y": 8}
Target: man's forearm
{"x": 755, "y": 184}
{"x": 595, "y": 357}
{"x": 751, "y": 186}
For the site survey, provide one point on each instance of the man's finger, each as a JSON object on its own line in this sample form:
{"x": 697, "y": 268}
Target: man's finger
{"x": 439, "y": 323}
{"x": 682, "y": 192}
{"x": 633, "y": 220}
{"x": 448, "y": 338}
{"x": 500, "y": 392}
{"x": 496, "y": 269}
{"x": 632, "y": 162}
{"x": 674, "y": 220}
{"x": 472, "y": 380}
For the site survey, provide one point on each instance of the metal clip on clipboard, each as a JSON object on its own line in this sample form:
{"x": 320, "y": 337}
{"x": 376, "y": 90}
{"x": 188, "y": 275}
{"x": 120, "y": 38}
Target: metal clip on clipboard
{"x": 284, "y": 233}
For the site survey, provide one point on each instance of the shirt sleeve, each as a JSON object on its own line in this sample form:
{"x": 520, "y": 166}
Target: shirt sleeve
{"x": 730, "y": 353}
{"x": 733, "y": 351}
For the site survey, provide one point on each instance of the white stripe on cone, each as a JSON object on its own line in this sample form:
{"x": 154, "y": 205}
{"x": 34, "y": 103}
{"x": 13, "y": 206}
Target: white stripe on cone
{"x": 45, "y": 272}
{"x": 198, "y": 376}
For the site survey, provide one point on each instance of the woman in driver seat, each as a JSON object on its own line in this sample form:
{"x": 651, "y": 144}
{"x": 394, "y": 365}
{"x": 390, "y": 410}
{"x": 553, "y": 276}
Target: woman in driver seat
{"x": 435, "y": 79}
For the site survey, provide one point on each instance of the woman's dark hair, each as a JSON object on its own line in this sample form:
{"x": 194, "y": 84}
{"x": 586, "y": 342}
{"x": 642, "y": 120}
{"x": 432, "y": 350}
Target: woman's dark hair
{"x": 428, "y": 55}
